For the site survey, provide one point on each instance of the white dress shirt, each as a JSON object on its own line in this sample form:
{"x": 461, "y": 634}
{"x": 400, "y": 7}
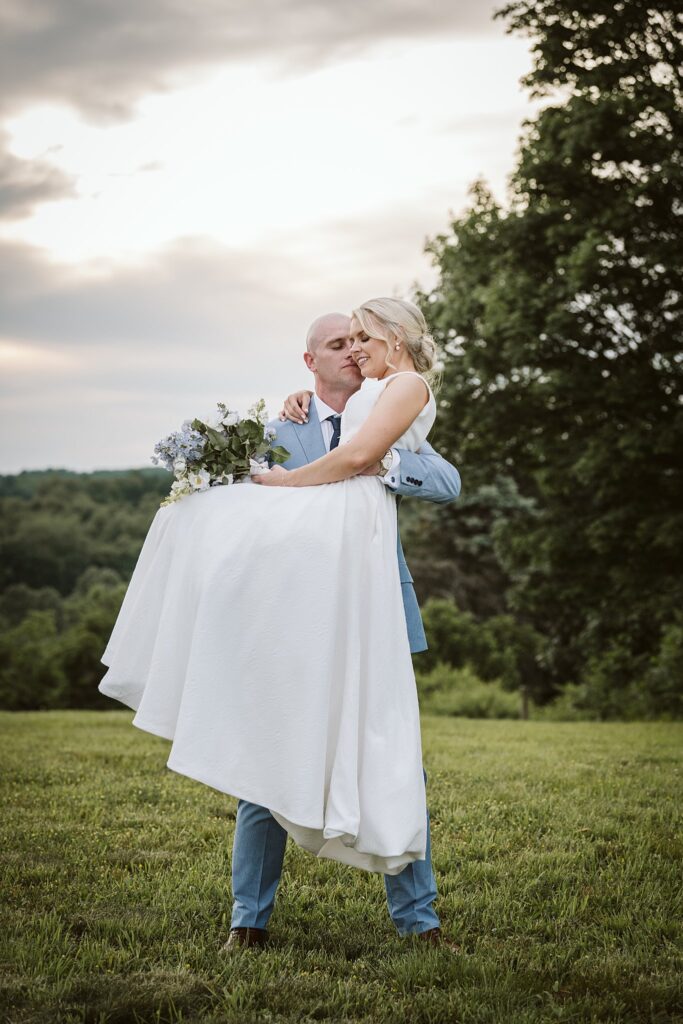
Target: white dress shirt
{"x": 391, "y": 478}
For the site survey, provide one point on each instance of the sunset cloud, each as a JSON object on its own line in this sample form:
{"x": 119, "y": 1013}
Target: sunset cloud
{"x": 26, "y": 183}
{"x": 100, "y": 57}
{"x": 183, "y": 189}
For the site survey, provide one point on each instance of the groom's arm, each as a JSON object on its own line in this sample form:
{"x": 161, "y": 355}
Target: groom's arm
{"x": 424, "y": 474}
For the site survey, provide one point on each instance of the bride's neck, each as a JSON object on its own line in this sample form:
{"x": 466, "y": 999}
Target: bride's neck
{"x": 403, "y": 363}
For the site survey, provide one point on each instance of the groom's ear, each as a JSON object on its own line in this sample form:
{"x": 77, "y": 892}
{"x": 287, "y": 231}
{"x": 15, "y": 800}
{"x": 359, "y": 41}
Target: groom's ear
{"x": 309, "y": 361}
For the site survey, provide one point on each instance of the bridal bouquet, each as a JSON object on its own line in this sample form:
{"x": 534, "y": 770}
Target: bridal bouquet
{"x": 219, "y": 448}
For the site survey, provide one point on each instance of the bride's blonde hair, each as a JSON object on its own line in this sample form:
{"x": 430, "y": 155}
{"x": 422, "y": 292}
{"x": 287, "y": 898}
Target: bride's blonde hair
{"x": 397, "y": 320}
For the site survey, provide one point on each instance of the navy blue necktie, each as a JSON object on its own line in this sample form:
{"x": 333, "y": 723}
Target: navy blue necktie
{"x": 336, "y": 430}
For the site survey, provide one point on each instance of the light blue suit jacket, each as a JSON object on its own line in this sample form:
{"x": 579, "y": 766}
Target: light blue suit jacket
{"x": 423, "y": 475}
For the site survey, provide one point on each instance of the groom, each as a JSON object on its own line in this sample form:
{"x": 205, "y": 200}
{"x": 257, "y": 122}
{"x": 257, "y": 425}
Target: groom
{"x": 259, "y": 844}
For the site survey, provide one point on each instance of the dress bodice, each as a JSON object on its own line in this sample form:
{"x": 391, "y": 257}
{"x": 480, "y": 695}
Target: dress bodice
{"x": 360, "y": 405}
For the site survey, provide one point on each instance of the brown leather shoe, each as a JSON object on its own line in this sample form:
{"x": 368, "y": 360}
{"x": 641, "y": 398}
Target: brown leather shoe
{"x": 246, "y": 937}
{"x": 435, "y": 937}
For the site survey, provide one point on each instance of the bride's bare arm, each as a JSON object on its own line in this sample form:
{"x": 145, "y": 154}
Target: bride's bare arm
{"x": 396, "y": 408}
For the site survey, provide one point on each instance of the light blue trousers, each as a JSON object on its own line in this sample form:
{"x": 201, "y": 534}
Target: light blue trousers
{"x": 257, "y": 856}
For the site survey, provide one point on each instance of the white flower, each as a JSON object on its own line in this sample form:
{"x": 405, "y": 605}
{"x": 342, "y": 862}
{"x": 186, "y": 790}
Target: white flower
{"x": 213, "y": 419}
{"x": 180, "y": 488}
{"x": 199, "y": 479}
{"x": 179, "y": 465}
{"x": 223, "y": 478}
{"x": 231, "y": 420}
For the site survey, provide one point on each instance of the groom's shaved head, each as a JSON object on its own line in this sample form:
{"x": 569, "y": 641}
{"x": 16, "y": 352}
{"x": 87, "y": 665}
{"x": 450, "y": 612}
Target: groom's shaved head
{"x": 328, "y": 357}
{"x": 329, "y": 327}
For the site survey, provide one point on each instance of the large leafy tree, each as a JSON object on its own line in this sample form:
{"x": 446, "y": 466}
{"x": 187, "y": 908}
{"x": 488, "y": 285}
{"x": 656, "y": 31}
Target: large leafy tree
{"x": 560, "y": 316}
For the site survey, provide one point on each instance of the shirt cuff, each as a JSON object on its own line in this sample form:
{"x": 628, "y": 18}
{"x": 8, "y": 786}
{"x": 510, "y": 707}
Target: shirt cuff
{"x": 392, "y": 477}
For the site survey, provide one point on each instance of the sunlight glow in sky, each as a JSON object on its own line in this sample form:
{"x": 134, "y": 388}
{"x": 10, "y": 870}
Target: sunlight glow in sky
{"x": 192, "y": 240}
{"x": 246, "y": 155}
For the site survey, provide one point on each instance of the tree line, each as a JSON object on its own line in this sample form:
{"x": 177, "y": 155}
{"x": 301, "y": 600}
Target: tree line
{"x": 559, "y": 315}
{"x": 68, "y": 546}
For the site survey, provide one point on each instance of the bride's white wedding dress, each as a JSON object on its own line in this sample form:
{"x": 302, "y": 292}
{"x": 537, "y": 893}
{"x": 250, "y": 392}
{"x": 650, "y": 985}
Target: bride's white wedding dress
{"x": 263, "y": 632}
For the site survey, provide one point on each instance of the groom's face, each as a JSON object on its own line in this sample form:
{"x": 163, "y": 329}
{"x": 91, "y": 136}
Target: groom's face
{"x": 331, "y": 359}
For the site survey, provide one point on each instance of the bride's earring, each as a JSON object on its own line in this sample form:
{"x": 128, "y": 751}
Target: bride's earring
{"x": 397, "y": 345}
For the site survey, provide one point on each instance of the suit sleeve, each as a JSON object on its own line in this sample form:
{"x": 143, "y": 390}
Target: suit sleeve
{"x": 426, "y": 475}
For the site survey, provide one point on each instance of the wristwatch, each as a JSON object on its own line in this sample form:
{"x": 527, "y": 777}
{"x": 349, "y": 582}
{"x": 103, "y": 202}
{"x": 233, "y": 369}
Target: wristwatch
{"x": 385, "y": 463}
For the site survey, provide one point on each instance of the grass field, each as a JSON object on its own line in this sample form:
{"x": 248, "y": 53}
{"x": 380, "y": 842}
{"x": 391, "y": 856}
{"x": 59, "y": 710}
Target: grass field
{"x": 557, "y": 850}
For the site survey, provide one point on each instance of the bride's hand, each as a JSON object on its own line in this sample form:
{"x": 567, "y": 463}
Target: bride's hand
{"x": 296, "y": 407}
{"x": 273, "y": 478}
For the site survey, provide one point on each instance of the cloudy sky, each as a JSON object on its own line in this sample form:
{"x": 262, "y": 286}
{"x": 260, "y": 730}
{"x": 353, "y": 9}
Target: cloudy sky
{"x": 183, "y": 188}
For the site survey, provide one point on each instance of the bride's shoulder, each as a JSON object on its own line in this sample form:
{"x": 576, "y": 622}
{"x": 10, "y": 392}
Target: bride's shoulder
{"x": 409, "y": 383}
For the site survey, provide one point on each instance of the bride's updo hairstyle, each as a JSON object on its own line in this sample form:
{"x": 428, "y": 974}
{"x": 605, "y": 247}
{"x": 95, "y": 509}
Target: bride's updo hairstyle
{"x": 397, "y": 320}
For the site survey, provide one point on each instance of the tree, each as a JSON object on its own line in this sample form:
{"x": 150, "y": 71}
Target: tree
{"x": 560, "y": 320}
{"x": 68, "y": 544}
{"x": 452, "y": 549}
{"x": 500, "y": 648}
{"x": 30, "y": 669}
{"x": 17, "y": 600}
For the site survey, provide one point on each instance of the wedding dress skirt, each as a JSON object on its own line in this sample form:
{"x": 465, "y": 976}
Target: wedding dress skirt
{"x": 263, "y": 633}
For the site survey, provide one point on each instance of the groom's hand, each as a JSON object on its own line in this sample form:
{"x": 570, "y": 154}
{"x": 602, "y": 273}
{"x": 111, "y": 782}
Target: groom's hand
{"x": 296, "y": 407}
{"x": 372, "y": 470}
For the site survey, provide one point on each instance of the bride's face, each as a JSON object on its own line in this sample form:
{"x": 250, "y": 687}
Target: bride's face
{"x": 369, "y": 353}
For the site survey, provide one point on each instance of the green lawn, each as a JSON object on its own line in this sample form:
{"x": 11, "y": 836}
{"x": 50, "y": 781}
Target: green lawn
{"x": 557, "y": 849}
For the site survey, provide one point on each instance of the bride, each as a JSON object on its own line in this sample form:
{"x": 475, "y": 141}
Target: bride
{"x": 263, "y": 631}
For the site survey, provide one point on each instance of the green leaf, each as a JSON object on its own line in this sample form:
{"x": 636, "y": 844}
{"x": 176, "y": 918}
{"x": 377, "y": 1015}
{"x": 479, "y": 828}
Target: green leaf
{"x": 279, "y": 454}
{"x": 217, "y": 439}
